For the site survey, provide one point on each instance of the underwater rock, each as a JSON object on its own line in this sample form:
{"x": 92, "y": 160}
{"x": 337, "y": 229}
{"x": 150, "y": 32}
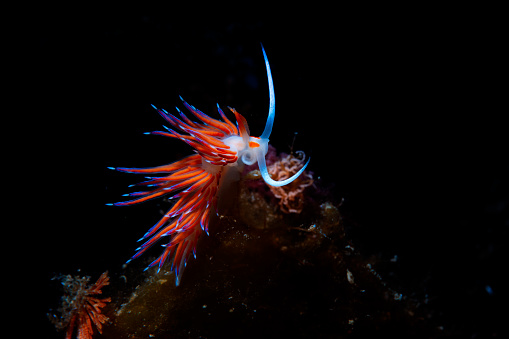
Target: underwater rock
{"x": 265, "y": 273}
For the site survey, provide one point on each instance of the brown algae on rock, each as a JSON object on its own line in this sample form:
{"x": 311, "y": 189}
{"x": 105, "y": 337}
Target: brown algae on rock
{"x": 264, "y": 272}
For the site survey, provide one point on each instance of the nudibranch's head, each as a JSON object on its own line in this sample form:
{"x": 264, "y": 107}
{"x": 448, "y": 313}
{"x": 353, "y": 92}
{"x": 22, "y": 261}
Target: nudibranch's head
{"x": 247, "y": 152}
{"x": 253, "y": 149}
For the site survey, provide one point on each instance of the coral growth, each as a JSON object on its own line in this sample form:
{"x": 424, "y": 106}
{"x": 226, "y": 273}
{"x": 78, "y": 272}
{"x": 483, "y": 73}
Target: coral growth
{"x": 79, "y": 308}
{"x": 291, "y": 199}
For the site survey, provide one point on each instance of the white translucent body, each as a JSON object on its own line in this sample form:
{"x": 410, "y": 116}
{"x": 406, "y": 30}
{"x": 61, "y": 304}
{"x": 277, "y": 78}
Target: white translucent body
{"x": 248, "y": 155}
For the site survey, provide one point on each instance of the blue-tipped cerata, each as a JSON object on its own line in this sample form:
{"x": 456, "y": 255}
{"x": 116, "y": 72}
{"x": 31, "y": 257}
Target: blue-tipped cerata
{"x": 193, "y": 182}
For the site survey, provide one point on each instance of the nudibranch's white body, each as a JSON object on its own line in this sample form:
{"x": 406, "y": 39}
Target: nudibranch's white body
{"x": 219, "y": 145}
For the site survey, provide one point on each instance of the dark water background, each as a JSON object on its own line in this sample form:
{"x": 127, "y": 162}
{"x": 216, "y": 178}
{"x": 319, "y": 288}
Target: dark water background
{"x": 400, "y": 114}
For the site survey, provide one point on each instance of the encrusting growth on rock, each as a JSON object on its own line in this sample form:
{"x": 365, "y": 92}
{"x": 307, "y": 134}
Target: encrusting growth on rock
{"x": 290, "y": 197}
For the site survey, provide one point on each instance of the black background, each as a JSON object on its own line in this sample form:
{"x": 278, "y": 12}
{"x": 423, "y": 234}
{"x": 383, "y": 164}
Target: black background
{"x": 399, "y": 111}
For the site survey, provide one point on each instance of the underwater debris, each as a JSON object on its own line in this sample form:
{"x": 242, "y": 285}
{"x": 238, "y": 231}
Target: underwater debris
{"x": 79, "y": 308}
{"x": 291, "y": 197}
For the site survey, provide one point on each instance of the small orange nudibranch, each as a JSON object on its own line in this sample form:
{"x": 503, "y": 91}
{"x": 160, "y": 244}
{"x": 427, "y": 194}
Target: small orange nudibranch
{"x": 81, "y": 309}
{"x": 195, "y": 180}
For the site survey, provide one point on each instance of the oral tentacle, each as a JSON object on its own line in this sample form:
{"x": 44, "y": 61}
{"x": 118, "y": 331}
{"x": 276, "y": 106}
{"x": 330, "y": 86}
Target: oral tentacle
{"x": 272, "y": 103}
{"x": 265, "y": 174}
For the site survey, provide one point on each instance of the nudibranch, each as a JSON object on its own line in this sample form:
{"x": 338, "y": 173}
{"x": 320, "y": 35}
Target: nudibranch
{"x": 194, "y": 181}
